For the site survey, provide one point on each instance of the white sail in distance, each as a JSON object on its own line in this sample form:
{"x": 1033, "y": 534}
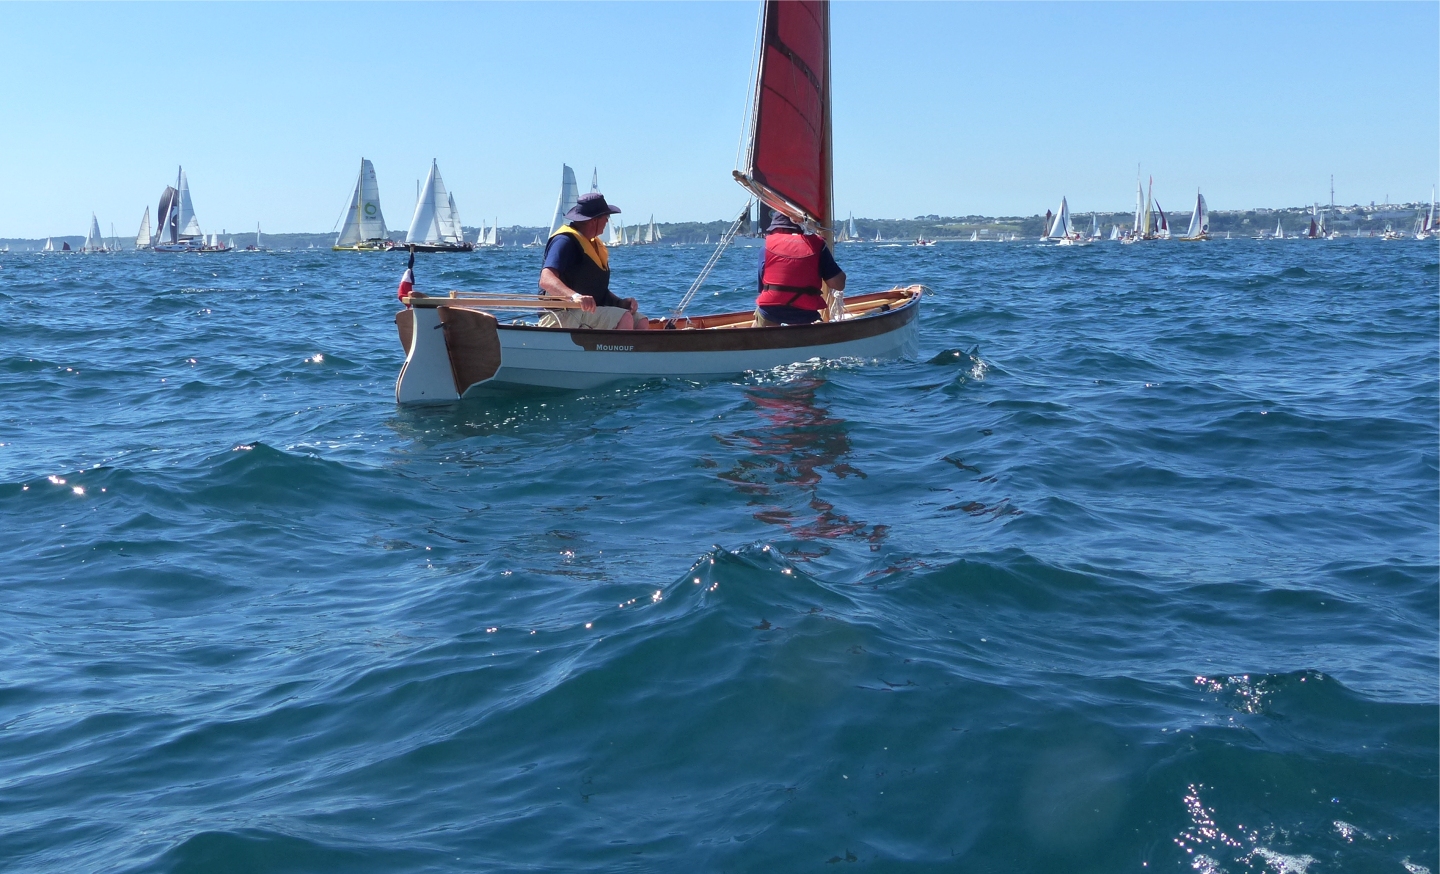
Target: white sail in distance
{"x": 142, "y": 239}
{"x": 363, "y": 218}
{"x": 569, "y": 196}
{"x": 188, "y": 225}
{"x": 93, "y": 243}
{"x": 1060, "y": 229}
{"x": 456, "y": 235}
{"x": 492, "y": 236}
{"x": 435, "y": 220}
{"x": 1139, "y": 197}
{"x": 1199, "y": 219}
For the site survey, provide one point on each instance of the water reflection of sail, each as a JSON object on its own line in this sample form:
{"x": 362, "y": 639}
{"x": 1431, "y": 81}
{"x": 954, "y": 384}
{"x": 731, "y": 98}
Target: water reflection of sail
{"x": 787, "y": 454}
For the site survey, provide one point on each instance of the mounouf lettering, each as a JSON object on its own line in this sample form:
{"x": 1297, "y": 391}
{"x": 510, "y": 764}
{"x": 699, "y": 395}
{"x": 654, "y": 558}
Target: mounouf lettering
{"x": 601, "y": 347}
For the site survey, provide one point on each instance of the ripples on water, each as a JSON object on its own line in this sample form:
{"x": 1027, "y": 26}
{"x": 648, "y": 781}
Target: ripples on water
{"x": 1133, "y": 568}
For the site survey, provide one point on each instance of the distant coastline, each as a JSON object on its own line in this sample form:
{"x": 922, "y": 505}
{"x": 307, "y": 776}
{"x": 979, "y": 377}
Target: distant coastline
{"x": 1348, "y": 220}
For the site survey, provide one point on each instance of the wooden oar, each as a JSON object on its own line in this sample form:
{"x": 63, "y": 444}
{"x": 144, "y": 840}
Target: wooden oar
{"x": 498, "y": 301}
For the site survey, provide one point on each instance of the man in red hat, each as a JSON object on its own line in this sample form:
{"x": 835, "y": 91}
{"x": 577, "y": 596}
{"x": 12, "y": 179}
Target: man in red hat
{"x": 577, "y": 269}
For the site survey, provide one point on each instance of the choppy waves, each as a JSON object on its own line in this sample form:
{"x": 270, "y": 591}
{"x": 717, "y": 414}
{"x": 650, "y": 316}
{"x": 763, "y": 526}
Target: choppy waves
{"x": 1133, "y": 568}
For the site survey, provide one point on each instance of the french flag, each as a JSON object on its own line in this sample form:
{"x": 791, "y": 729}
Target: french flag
{"x": 407, "y": 285}
{"x": 407, "y": 282}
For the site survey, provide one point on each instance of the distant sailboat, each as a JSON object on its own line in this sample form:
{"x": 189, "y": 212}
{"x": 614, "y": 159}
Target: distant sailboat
{"x": 492, "y": 236}
{"x": 1163, "y": 231}
{"x": 974, "y": 236}
{"x": 49, "y": 245}
{"x": 178, "y": 229}
{"x": 93, "y": 242}
{"x": 436, "y": 224}
{"x": 617, "y": 234}
{"x": 1061, "y": 230}
{"x": 1094, "y": 227}
{"x": 256, "y": 247}
{"x": 1114, "y": 232}
{"x": 364, "y": 229}
{"x": 1139, "y": 229}
{"x": 142, "y": 239}
{"x": 569, "y": 196}
{"x": 1279, "y": 230}
{"x": 1199, "y": 220}
{"x": 1427, "y": 225}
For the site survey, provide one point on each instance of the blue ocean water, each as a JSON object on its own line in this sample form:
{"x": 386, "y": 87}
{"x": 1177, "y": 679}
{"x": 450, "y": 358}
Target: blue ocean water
{"x": 1134, "y": 568}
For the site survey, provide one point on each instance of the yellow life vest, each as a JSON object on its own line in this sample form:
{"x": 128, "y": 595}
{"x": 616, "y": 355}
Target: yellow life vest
{"x": 594, "y": 249}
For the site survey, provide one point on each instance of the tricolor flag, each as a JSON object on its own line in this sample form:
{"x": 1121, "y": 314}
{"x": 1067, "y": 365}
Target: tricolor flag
{"x": 407, "y": 282}
{"x": 407, "y": 285}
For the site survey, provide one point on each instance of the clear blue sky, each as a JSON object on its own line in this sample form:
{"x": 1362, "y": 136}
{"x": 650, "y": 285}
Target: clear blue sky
{"x": 949, "y": 108}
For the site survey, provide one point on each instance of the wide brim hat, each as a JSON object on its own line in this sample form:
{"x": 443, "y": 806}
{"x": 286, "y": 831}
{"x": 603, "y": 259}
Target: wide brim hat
{"x": 590, "y": 206}
{"x": 779, "y": 221}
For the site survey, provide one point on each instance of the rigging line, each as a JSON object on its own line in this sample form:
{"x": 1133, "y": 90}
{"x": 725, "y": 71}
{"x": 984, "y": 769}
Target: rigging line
{"x": 746, "y": 121}
{"x": 714, "y": 259}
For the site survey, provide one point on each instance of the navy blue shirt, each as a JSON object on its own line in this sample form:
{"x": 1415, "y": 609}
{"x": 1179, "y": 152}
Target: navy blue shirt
{"x": 828, "y": 267}
{"x": 561, "y": 253}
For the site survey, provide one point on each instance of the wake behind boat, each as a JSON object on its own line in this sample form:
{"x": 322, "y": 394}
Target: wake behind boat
{"x": 457, "y": 345}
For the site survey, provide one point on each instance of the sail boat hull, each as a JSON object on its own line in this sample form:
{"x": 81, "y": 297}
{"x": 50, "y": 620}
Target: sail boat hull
{"x": 370, "y": 246}
{"x": 439, "y": 247}
{"x": 471, "y": 352}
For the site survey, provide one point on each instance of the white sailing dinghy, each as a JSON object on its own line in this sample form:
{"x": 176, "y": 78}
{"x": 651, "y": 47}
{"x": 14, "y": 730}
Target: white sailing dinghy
{"x": 436, "y": 224}
{"x": 456, "y": 346}
{"x": 364, "y": 229}
{"x": 1199, "y": 221}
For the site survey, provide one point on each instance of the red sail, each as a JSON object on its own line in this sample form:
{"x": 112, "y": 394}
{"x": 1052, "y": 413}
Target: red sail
{"x": 790, "y": 138}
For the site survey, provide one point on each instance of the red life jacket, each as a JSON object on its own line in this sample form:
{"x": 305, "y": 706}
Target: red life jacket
{"x": 791, "y": 276}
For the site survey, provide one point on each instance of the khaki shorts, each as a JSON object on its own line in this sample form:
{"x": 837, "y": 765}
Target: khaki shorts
{"x": 603, "y": 319}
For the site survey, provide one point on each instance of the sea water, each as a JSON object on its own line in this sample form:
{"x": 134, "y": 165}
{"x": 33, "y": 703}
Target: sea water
{"x": 1132, "y": 568}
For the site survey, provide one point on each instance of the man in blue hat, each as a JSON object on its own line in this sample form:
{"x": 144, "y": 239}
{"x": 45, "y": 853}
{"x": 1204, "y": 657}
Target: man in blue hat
{"x": 577, "y": 269}
{"x": 795, "y": 267}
